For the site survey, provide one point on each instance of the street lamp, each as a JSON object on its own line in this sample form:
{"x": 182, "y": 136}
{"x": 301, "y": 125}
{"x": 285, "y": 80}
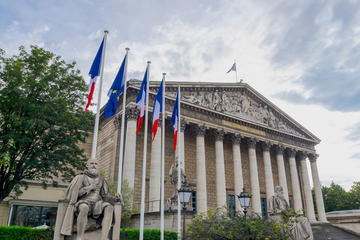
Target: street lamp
{"x": 184, "y": 194}
{"x": 244, "y": 199}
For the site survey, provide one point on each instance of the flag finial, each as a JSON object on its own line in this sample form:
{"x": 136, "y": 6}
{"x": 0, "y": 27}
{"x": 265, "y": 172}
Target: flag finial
{"x": 127, "y": 49}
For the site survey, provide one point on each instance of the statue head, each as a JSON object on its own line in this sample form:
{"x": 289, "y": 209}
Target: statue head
{"x": 279, "y": 191}
{"x": 92, "y": 166}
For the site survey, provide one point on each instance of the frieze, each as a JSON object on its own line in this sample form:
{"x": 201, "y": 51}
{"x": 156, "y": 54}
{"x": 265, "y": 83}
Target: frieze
{"x": 238, "y": 104}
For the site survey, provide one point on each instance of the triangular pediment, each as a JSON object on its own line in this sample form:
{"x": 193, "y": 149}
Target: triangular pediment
{"x": 240, "y": 101}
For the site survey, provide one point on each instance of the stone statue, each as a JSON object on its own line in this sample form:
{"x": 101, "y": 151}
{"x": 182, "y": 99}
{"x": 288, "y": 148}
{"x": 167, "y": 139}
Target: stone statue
{"x": 173, "y": 174}
{"x": 89, "y": 204}
{"x": 300, "y": 228}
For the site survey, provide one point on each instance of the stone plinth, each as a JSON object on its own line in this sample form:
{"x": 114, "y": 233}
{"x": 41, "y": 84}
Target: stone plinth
{"x": 152, "y": 220}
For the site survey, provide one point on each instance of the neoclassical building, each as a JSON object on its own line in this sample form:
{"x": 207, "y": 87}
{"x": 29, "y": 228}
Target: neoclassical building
{"x": 231, "y": 138}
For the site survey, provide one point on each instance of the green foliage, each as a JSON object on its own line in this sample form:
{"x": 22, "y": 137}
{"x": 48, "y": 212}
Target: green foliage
{"x": 220, "y": 225}
{"x": 149, "y": 234}
{"x": 42, "y": 118}
{"x": 336, "y": 198}
{"x": 24, "y": 233}
{"x": 128, "y": 209}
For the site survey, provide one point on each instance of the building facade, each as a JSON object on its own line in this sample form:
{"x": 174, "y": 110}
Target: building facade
{"x": 231, "y": 137}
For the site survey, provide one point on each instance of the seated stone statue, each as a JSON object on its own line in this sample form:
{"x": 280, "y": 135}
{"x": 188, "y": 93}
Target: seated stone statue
{"x": 89, "y": 199}
{"x": 300, "y": 228}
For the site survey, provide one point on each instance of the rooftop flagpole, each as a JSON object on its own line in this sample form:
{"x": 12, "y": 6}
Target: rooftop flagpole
{"x": 236, "y": 78}
{"x": 162, "y": 162}
{"x": 122, "y": 133}
{"x": 142, "y": 206}
{"x": 96, "y": 127}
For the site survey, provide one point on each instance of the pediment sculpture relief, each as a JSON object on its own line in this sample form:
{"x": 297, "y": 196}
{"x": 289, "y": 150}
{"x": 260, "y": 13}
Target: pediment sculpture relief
{"x": 240, "y": 105}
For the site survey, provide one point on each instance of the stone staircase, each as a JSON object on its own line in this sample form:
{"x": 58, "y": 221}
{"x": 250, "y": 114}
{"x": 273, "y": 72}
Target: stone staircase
{"x": 329, "y": 232}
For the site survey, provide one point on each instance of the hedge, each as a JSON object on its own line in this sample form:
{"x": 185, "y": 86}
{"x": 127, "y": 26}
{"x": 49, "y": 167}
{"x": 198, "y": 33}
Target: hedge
{"x": 27, "y": 233}
{"x": 24, "y": 233}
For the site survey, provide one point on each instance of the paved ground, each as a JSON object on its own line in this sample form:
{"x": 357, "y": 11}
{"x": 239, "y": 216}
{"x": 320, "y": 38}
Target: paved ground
{"x": 328, "y": 232}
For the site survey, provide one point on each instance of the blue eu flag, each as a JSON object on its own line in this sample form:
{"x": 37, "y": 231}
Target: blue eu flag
{"x": 115, "y": 90}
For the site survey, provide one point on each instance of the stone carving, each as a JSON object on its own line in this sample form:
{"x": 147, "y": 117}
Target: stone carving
{"x": 300, "y": 228}
{"x": 89, "y": 207}
{"x": 241, "y": 105}
{"x": 173, "y": 174}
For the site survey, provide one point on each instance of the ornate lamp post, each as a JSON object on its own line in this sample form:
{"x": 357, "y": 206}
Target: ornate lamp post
{"x": 185, "y": 194}
{"x": 244, "y": 199}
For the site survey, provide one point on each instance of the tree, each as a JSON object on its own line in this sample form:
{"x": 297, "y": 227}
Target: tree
{"x": 41, "y": 118}
{"x": 335, "y": 198}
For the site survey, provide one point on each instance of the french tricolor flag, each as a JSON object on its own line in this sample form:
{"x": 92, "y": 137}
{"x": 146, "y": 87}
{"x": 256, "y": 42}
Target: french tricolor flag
{"x": 158, "y": 108}
{"x": 175, "y": 119}
{"x": 94, "y": 73}
{"x": 141, "y": 100}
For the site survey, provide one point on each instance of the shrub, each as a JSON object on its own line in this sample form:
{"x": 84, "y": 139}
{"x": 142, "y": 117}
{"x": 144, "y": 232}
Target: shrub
{"x": 27, "y": 233}
{"x": 24, "y": 233}
{"x": 219, "y": 225}
{"x": 149, "y": 234}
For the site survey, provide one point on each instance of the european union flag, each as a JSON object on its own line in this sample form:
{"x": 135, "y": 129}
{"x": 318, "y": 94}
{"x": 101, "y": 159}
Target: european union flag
{"x": 115, "y": 90}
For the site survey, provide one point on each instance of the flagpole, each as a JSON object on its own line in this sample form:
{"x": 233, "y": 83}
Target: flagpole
{"x": 142, "y": 207}
{"x": 96, "y": 127}
{"x": 235, "y": 71}
{"x": 122, "y": 129}
{"x": 162, "y": 162}
{"x": 179, "y": 169}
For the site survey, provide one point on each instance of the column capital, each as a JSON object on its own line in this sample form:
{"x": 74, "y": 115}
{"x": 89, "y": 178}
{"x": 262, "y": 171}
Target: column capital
{"x": 236, "y": 138}
{"x": 313, "y": 157}
{"x": 182, "y": 126}
{"x": 131, "y": 113}
{"x": 219, "y": 134}
{"x": 200, "y": 130}
{"x": 292, "y": 152}
{"x": 279, "y": 149}
{"x": 252, "y": 142}
{"x": 266, "y": 146}
{"x": 302, "y": 155}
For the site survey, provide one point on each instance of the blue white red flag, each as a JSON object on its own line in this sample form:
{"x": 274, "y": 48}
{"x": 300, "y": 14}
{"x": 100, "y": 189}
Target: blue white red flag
{"x": 175, "y": 119}
{"x": 141, "y": 100}
{"x": 94, "y": 73}
{"x": 233, "y": 68}
{"x": 158, "y": 108}
{"x": 115, "y": 90}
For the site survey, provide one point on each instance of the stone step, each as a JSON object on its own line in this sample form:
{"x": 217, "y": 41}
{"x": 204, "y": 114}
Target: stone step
{"x": 330, "y": 232}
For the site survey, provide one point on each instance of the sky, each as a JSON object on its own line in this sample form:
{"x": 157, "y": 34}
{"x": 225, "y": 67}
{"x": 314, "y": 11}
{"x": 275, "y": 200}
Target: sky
{"x": 304, "y": 56}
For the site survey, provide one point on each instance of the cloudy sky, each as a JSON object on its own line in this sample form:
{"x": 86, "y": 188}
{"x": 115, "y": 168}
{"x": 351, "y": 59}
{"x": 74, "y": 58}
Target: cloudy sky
{"x": 304, "y": 56}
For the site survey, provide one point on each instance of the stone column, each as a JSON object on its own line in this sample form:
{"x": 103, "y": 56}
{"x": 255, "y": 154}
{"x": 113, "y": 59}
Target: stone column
{"x": 201, "y": 192}
{"x": 220, "y": 169}
{"x": 309, "y": 204}
{"x": 318, "y": 194}
{"x": 114, "y": 167}
{"x": 254, "y": 177}
{"x": 155, "y": 172}
{"x": 238, "y": 176}
{"x": 130, "y": 146}
{"x": 281, "y": 170}
{"x": 295, "y": 181}
{"x": 269, "y": 182}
